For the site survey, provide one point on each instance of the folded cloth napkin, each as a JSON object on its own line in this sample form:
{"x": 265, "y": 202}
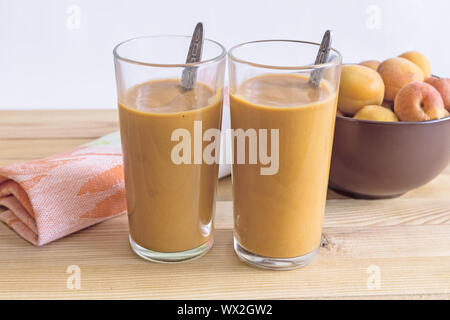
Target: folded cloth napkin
{"x": 50, "y": 198}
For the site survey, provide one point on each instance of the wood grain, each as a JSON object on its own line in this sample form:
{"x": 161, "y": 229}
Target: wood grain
{"x": 108, "y": 267}
{"x": 407, "y": 238}
{"x": 57, "y": 124}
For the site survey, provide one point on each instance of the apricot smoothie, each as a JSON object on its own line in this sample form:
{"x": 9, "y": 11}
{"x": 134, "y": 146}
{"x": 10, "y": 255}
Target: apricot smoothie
{"x": 170, "y": 206}
{"x": 280, "y": 215}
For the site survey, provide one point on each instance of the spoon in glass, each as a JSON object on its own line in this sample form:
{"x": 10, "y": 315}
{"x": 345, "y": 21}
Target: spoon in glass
{"x": 189, "y": 74}
{"x": 322, "y": 57}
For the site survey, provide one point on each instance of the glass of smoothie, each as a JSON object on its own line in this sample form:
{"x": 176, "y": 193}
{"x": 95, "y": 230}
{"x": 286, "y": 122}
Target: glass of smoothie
{"x": 170, "y": 182}
{"x": 282, "y": 131}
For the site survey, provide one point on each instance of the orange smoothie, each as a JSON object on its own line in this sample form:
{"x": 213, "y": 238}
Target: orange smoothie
{"x": 170, "y": 206}
{"x": 281, "y": 215}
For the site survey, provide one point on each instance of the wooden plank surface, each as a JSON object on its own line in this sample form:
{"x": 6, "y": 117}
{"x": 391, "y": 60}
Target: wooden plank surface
{"x": 57, "y": 124}
{"x": 406, "y": 240}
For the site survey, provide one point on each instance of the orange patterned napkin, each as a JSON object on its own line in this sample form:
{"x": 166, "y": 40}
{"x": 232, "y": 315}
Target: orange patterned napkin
{"x": 50, "y": 198}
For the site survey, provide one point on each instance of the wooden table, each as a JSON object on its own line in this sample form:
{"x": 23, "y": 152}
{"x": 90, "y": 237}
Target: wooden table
{"x": 396, "y": 248}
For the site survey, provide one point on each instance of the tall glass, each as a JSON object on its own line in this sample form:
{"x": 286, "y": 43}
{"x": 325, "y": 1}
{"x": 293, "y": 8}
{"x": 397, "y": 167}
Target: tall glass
{"x": 282, "y": 154}
{"x": 170, "y": 184}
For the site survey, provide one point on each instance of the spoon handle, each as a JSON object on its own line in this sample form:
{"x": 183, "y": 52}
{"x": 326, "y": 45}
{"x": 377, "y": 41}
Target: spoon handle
{"x": 189, "y": 74}
{"x": 322, "y": 57}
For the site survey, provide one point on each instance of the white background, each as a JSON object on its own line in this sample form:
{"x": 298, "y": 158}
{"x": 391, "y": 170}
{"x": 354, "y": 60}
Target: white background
{"x": 58, "y": 53}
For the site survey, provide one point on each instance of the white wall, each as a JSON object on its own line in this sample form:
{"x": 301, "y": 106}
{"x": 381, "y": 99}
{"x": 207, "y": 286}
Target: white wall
{"x": 58, "y": 53}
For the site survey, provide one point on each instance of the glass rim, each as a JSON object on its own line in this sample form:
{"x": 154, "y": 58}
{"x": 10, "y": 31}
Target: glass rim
{"x": 168, "y": 65}
{"x": 334, "y": 62}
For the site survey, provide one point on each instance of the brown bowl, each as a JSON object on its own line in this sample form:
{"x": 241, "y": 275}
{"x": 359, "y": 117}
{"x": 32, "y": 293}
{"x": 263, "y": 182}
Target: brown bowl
{"x": 374, "y": 160}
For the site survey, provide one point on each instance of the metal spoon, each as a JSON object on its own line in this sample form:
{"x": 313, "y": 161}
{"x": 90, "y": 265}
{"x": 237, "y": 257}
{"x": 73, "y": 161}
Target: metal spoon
{"x": 322, "y": 57}
{"x": 189, "y": 74}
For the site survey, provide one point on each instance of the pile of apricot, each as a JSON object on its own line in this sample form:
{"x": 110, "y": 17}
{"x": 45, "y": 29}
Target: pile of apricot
{"x": 397, "y": 89}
